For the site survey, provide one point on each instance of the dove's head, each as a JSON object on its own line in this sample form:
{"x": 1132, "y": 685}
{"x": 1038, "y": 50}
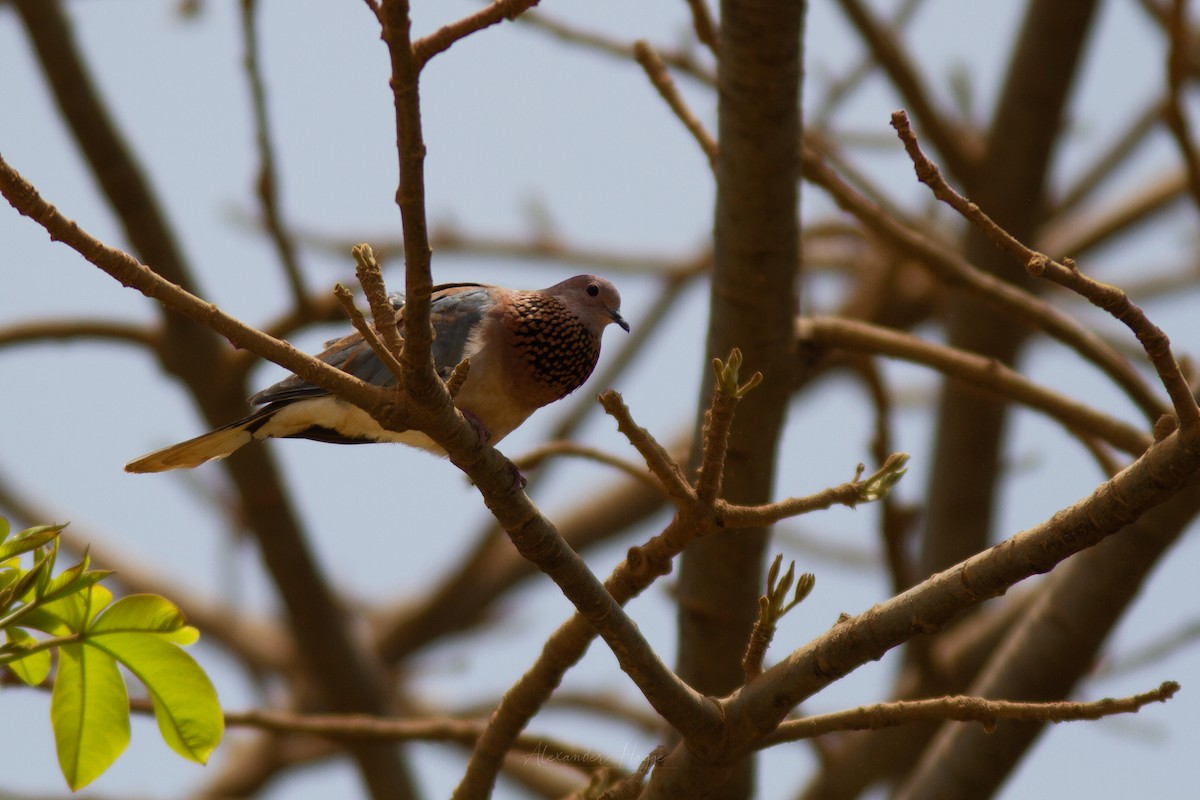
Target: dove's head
{"x": 594, "y": 300}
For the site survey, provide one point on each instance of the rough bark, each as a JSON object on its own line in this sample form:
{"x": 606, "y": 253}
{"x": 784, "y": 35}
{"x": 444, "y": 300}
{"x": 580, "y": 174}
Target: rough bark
{"x": 753, "y": 306}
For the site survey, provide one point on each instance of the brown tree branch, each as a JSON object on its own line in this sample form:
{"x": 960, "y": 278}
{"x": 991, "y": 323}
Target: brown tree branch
{"x": 542, "y": 453}
{"x": 967, "y": 455}
{"x": 759, "y": 707}
{"x": 1109, "y": 161}
{"x": 962, "y": 151}
{"x": 1089, "y": 232}
{"x": 1176, "y": 117}
{"x": 974, "y": 369}
{"x": 1066, "y": 626}
{"x": 656, "y": 71}
{"x": 267, "y": 183}
{"x": 704, "y": 25}
{"x": 861, "y": 759}
{"x": 752, "y": 303}
{"x": 191, "y": 352}
{"x": 848, "y": 494}
{"x": 1014, "y": 303}
{"x": 681, "y": 61}
{"x": 668, "y": 472}
{"x": 441, "y": 40}
{"x": 964, "y": 709}
{"x": 1104, "y": 296}
{"x": 696, "y": 517}
{"x": 258, "y": 644}
{"x": 89, "y": 329}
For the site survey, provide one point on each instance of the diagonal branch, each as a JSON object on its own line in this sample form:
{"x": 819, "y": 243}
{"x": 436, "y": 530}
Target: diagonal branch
{"x": 957, "y": 271}
{"x": 757, "y": 709}
{"x": 977, "y": 370}
{"x": 267, "y": 184}
{"x": 964, "y": 709}
{"x": 1109, "y": 298}
{"x": 443, "y": 38}
{"x": 961, "y": 151}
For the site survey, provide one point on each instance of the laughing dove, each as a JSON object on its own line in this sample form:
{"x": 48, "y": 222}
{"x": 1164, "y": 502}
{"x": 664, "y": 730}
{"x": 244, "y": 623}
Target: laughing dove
{"x": 527, "y": 349}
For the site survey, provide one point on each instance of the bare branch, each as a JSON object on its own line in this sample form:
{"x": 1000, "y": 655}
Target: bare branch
{"x": 1177, "y": 121}
{"x": 93, "y": 330}
{"x": 963, "y": 709}
{"x": 1109, "y": 298}
{"x": 960, "y": 150}
{"x": 952, "y": 268}
{"x": 539, "y": 455}
{"x": 441, "y": 40}
{"x": 656, "y": 71}
{"x": 267, "y": 184}
{"x": 977, "y": 370}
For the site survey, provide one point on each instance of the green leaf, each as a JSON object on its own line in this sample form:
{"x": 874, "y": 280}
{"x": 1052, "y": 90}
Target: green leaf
{"x": 27, "y": 540}
{"x": 24, "y": 586}
{"x": 77, "y": 610}
{"x": 89, "y": 711}
{"x": 41, "y": 619}
{"x": 146, "y": 613}
{"x": 9, "y": 571}
{"x": 73, "y": 579}
{"x": 33, "y": 668}
{"x": 185, "y": 702}
{"x": 4, "y": 529}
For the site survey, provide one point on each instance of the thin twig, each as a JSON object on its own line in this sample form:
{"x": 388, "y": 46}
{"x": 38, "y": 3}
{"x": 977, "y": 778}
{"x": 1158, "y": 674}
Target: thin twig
{"x": 267, "y": 184}
{"x": 441, "y": 40}
{"x": 130, "y": 272}
{"x": 962, "y": 152}
{"x": 704, "y": 25}
{"x": 718, "y": 419}
{"x": 656, "y": 71}
{"x": 383, "y": 313}
{"x": 963, "y": 709}
{"x": 1176, "y": 117}
{"x": 89, "y": 329}
{"x": 1109, "y": 298}
{"x": 977, "y": 370}
{"x": 952, "y": 268}
{"x": 1090, "y": 231}
{"x": 681, "y": 61}
{"x": 536, "y": 457}
{"x": 895, "y": 521}
{"x": 839, "y": 90}
{"x": 363, "y": 727}
{"x": 1107, "y": 163}
{"x": 657, "y": 458}
{"x": 448, "y": 239}
{"x": 848, "y": 494}
{"x": 365, "y": 330}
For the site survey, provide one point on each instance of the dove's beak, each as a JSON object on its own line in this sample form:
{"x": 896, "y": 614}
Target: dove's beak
{"x": 617, "y": 318}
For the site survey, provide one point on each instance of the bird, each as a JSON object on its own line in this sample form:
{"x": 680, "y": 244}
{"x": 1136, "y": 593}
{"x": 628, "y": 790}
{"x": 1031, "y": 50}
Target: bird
{"x": 527, "y": 349}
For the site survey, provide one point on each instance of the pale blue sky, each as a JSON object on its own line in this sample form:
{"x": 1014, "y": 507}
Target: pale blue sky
{"x": 513, "y": 120}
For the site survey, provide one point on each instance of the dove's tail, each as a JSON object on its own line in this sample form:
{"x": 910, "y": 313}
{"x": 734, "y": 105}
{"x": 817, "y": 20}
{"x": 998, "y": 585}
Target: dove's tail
{"x": 194, "y": 452}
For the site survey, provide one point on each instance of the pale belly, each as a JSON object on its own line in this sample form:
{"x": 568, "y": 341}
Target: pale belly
{"x": 491, "y": 408}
